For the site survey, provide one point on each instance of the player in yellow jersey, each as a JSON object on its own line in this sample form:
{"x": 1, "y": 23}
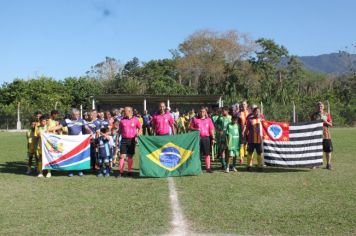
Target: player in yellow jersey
{"x": 31, "y": 145}
{"x": 39, "y": 130}
{"x": 242, "y": 115}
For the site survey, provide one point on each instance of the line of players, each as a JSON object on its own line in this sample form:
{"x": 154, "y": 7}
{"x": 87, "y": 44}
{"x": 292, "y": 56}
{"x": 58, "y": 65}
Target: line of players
{"x": 224, "y": 133}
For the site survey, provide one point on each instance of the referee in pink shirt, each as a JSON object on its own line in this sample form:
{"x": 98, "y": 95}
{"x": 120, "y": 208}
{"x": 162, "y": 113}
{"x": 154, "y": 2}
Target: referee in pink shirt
{"x": 205, "y": 126}
{"x": 129, "y": 129}
{"x": 162, "y": 121}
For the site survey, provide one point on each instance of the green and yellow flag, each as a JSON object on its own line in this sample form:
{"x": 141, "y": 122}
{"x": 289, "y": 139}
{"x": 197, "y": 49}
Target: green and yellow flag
{"x": 173, "y": 155}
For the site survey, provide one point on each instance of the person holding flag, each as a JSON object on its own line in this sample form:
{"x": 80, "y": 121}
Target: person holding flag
{"x": 41, "y": 128}
{"x": 76, "y": 126}
{"x": 163, "y": 121}
{"x": 320, "y": 114}
{"x": 129, "y": 129}
{"x": 94, "y": 125}
{"x": 205, "y": 126}
{"x": 253, "y": 133}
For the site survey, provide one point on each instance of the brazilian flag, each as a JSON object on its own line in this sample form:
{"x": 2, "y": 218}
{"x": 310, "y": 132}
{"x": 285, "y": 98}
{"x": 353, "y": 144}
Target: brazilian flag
{"x": 171, "y": 155}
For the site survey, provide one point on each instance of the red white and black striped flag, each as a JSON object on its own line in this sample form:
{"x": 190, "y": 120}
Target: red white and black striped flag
{"x": 293, "y": 145}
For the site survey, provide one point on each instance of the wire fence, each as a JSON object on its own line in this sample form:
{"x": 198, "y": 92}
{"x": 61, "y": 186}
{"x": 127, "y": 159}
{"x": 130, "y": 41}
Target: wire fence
{"x": 286, "y": 113}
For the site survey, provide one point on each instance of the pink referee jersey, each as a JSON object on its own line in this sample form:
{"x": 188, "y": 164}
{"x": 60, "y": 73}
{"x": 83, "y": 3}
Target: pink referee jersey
{"x": 204, "y": 126}
{"x": 162, "y": 123}
{"x": 129, "y": 127}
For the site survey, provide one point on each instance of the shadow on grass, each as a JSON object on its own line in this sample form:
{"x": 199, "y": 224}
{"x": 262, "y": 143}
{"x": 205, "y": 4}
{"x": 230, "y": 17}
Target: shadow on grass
{"x": 20, "y": 168}
{"x": 216, "y": 166}
{"x": 15, "y": 167}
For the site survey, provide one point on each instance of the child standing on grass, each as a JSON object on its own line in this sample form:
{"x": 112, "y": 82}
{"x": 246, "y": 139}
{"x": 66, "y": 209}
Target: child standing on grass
{"x": 31, "y": 145}
{"x": 39, "y": 130}
{"x": 221, "y": 124}
{"x": 105, "y": 144}
{"x": 233, "y": 144}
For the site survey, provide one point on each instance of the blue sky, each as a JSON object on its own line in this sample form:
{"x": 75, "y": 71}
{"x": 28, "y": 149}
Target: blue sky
{"x": 61, "y": 38}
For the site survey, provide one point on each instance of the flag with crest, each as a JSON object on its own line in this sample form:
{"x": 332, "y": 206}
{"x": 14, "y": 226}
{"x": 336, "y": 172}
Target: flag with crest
{"x": 171, "y": 155}
{"x": 293, "y": 145}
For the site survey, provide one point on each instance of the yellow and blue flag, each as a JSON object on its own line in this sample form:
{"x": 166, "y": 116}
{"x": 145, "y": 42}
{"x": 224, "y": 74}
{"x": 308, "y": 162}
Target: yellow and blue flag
{"x": 173, "y": 155}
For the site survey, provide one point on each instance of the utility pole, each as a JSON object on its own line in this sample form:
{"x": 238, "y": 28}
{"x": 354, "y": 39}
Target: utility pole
{"x": 18, "y": 125}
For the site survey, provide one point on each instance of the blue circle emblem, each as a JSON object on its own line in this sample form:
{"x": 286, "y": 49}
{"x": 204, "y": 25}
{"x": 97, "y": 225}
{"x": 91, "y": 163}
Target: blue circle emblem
{"x": 275, "y": 131}
{"x": 169, "y": 157}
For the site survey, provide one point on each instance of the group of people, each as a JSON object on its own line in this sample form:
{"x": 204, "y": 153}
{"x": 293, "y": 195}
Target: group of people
{"x": 229, "y": 133}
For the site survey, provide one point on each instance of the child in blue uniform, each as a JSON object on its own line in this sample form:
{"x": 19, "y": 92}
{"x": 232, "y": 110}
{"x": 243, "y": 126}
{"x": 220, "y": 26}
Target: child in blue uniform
{"x": 105, "y": 144}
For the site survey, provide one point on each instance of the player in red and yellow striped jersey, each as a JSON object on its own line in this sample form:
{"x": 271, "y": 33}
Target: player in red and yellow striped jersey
{"x": 242, "y": 116}
{"x": 253, "y": 132}
{"x": 320, "y": 114}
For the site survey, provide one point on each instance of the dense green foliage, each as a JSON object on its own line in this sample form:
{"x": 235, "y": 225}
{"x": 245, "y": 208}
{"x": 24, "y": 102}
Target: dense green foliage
{"x": 230, "y": 64}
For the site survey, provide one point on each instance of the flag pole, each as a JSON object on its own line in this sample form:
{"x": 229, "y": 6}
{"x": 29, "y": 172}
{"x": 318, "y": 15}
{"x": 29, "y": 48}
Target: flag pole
{"x": 18, "y": 124}
{"x": 212, "y": 152}
{"x": 293, "y": 112}
{"x": 261, "y": 136}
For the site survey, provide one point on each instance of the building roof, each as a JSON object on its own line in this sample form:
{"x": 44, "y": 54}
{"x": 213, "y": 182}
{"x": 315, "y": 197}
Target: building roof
{"x": 184, "y": 99}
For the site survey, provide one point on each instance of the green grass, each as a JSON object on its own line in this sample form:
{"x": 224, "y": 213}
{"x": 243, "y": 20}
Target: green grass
{"x": 87, "y": 205}
{"x": 278, "y": 201}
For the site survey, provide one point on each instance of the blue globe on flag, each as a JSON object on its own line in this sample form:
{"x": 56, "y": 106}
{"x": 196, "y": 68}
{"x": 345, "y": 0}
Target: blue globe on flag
{"x": 169, "y": 157}
{"x": 275, "y": 131}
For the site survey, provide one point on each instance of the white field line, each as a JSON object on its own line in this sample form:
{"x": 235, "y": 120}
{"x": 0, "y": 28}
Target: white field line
{"x": 179, "y": 226}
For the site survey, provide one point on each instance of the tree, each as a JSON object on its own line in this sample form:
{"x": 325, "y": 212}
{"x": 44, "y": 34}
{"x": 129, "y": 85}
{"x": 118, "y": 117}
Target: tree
{"x": 81, "y": 89}
{"x": 204, "y": 55}
{"x": 106, "y": 72}
{"x": 267, "y": 64}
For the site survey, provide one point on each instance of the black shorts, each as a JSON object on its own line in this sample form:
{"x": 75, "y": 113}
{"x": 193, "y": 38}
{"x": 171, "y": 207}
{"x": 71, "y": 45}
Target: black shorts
{"x": 327, "y": 145}
{"x": 254, "y": 146}
{"x": 128, "y": 146}
{"x": 92, "y": 152}
{"x": 243, "y": 139}
{"x": 205, "y": 146}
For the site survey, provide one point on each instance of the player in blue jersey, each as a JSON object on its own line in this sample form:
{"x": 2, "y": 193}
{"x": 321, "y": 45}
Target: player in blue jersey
{"x": 76, "y": 126}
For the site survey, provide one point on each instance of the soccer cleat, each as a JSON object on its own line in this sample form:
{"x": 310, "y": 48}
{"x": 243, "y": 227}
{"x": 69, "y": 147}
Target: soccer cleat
{"x": 129, "y": 174}
{"x": 119, "y": 176}
{"x": 227, "y": 170}
{"x": 234, "y": 169}
{"x": 329, "y": 167}
{"x": 248, "y": 168}
{"x": 107, "y": 175}
{"x": 80, "y": 174}
{"x": 70, "y": 174}
{"x": 28, "y": 171}
{"x": 49, "y": 175}
{"x": 100, "y": 175}
{"x": 209, "y": 171}
{"x": 40, "y": 175}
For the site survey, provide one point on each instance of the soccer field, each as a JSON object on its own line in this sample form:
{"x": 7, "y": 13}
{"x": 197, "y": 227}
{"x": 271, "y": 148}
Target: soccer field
{"x": 277, "y": 201}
